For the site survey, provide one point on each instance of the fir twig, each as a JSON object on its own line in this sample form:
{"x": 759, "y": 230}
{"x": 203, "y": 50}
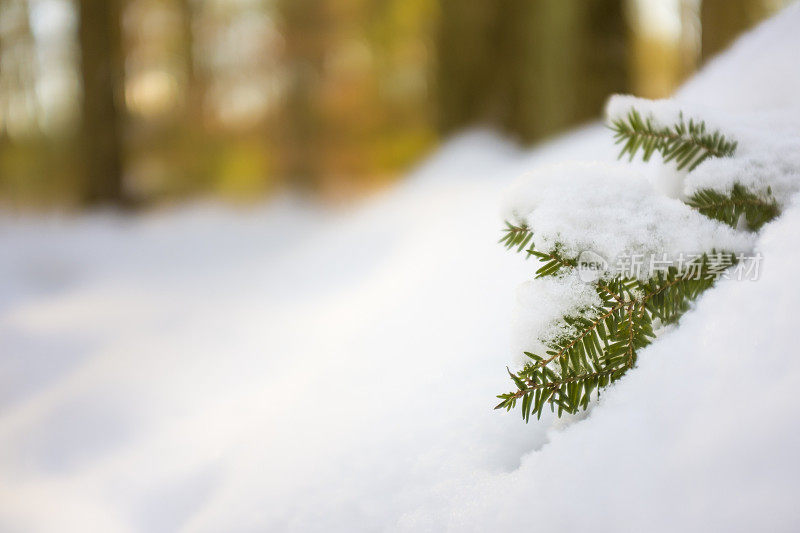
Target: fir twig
{"x": 552, "y": 262}
{"x": 758, "y": 209}
{"x": 519, "y": 236}
{"x": 605, "y": 340}
{"x": 686, "y": 143}
{"x": 516, "y": 236}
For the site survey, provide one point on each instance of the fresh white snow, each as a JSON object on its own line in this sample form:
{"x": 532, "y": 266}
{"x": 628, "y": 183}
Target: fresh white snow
{"x": 293, "y": 369}
{"x": 612, "y": 210}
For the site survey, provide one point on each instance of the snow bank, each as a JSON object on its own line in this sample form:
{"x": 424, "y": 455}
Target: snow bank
{"x": 702, "y": 436}
{"x": 284, "y": 369}
{"x": 296, "y": 370}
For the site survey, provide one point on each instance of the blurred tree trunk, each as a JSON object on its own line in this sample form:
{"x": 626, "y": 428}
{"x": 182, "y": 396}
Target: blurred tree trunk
{"x": 689, "y": 45}
{"x": 305, "y": 30}
{"x": 604, "y": 55}
{"x": 531, "y": 67}
{"x": 18, "y": 104}
{"x": 468, "y": 63}
{"x": 194, "y": 140}
{"x": 661, "y": 61}
{"x": 102, "y": 74}
{"x": 194, "y": 83}
{"x": 546, "y": 76}
{"x": 724, "y": 20}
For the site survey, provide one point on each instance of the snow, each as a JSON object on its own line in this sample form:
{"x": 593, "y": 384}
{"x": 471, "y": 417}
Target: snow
{"x": 759, "y": 73}
{"x": 280, "y": 370}
{"x": 702, "y": 436}
{"x": 294, "y": 369}
{"x": 612, "y": 210}
{"x": 539, "y": 307}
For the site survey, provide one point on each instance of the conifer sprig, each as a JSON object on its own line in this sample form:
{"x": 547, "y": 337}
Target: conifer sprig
{"x": 603, "y": 342}
{"x": 516, "y": 236}
{"x": 686, "y": 143}
{"x": 758, "y": 209}
{"x": 552, "y": 262}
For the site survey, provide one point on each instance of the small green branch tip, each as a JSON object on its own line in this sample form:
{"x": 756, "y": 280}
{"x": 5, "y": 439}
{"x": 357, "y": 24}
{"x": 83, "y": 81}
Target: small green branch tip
{"x": 686, "y": 143}
{"x": 757, "y": 209}
{"x": 516, "y": 236}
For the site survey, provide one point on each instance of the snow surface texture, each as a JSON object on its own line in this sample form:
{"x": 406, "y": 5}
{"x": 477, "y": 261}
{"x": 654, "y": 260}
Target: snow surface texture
{"x": 611, "y": 209}
{"x": 297, "y": 370}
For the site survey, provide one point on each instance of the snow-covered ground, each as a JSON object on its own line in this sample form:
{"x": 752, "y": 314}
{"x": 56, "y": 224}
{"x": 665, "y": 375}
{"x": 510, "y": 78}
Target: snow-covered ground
{"x": 292, "y": 369}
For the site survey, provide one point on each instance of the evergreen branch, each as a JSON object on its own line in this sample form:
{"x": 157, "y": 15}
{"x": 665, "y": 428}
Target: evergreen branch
{"x": 602, "y": 342}
{"x": 553, "y": 262}
{"x": 757, "y": 209}
{"x": 607, "y": 290}
{"x": 519, "y": 236}
{"x": 631, "y": 353}
{"x": 669, "y": 296}
{"x": 578, "y": 394}
{"x": 516, "y": 236}
{"x": 570, "y": 343}
{"x": 602, "y": 349}
{"x": 686, "y": 143}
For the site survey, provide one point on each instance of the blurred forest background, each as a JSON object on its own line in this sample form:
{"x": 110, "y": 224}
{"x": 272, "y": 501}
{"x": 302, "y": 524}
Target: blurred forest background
{"x": 135, "y": 102}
